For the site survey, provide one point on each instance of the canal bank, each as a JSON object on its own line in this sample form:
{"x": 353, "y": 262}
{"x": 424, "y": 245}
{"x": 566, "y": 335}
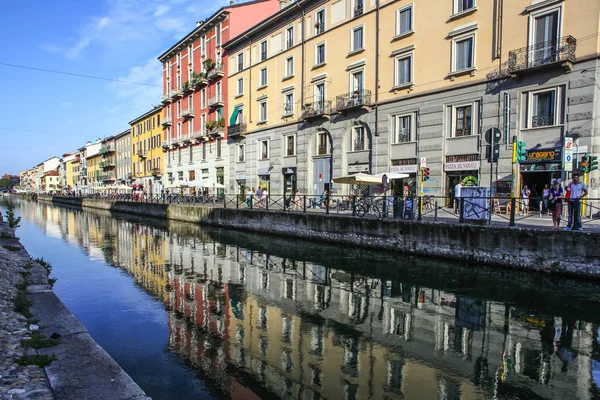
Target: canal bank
{"x": 46, "y": 353}
{"x": 562, "y": 253}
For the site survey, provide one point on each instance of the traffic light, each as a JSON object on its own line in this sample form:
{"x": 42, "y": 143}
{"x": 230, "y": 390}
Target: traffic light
{"x": 521, "y": 152}
{"x": 593, "y": 163}
{"x": 425, "y": 174}
{"x": 585, "y": 163}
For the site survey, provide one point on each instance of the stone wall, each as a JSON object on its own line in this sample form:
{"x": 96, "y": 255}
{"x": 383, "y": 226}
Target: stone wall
{"x": 563, "y": 253}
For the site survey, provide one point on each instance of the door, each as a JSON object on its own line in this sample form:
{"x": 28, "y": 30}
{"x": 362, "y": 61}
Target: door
{"x": 321, "y": 176}
{"x": 545, "y": 45}
{"x": 357, "y": 88}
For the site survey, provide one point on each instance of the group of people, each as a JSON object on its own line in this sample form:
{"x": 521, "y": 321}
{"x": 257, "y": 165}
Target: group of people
{"x": 555, "y": 196}
{"x": 256, "y": 197}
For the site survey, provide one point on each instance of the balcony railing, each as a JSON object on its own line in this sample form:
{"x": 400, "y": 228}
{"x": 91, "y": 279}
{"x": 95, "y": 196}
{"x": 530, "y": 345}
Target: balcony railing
{"x": 176, "y": 93}
{"x": 156, "y": 172}
{"x": 187, "y": 88}
{"x": 107, "y": 164}
{"x": 165, "y": 98}
{"x": 289, "y": 43}
{"x": 198, "y": 135}
{"x": 542, "y": 120}
{"x": 236, "y": 130}
{"x": 165, "y": 143}
{"x": 184, "y": 138}
{"x": 167, "y": 121}
{"x": 355, "y": 99}
{"x": 200, "y": 80}
{"x": 142, "y": 153}
{"x": 322, "y": 150}
{"x": 173, "y": 141}
{"x": 216, "y": 101}
{"x": 358, "y": 10}
{"x": 217, "y": 72}
{"x": 317, "y": 109}
{"x": 188, "y": 113}
{"x": 107, "y": 149}
{"x": 555, "y": 51}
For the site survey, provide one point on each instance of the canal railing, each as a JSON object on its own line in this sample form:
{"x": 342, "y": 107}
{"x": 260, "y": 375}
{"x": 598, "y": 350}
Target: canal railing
{"x": 531, "y": 212}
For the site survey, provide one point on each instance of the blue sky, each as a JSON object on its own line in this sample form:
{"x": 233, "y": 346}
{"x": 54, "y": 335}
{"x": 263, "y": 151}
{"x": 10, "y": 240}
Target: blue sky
{"x": 117, "y": 39}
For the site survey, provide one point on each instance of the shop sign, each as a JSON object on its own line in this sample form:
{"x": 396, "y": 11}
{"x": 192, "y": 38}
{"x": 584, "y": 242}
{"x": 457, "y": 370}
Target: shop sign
{"x": 544, "y": 155}
{"x": 404, "y": 169}
{"x": 358, "y": 168}
{"x": 289, "y": 170}
{"x": 240, "y": 175}
{"x": 470, "y": 181}
{"x": 263, "y": 171}
{"x": 461, "y": 166}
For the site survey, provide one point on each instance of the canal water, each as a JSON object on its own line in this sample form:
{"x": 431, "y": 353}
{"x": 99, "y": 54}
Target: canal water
{"x": 194, "y": 313}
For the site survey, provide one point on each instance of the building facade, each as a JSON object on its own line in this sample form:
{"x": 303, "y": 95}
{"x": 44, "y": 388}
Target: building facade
{"x": 146, "y": 151}
{"x": 195, "y": 98}
{"x": 332, "y": 88}
{"x": 123, "y": 154}
{"x": 108, "y": 162}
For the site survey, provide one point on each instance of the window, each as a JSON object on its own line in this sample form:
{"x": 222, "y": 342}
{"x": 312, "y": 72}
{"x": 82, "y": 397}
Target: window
{"x": 322, "y": 144}
{"x": 289, "y": 37}
{"x": 192, "y": 175}
{"x": 290, "y": 145}
{"x": 403, "y": 70}
{"x": 190, "y": 102}
{"x": 464, "y": 53}
{"x": 264, "y": 149}
{"x": 402, "y": 128}
{"x": 319, "y": 22}
{"x": 262, "y": 109}
{"x": 404, "y": 20}
{"x": 356, "y": 83}
{"x": 543, "y": 109}
{"x": 179, "y": 155}
{"x": 462, "y": 122}
{"x": 240, "y": 59}
{"x": 358, "y": 8}
{"x": 544, "y": 39}
{"x": 219, "y": 141}
{"x": 320, "y": 54}
{"x": 357, "y": 39}
{"x": 203, "y": 47}
{"x": 320, "y": 95}
{"x": 202, "y": 122}
{"x": 203, "y": 151}
{"x": 179, "y": 109}
{"x": 289, "y": 66}
{"x": 263, "y": 77}
{"x": 218, "y": 34}
{"x": 288, "y": 104}
{"x": 463, "y": 5}
{"x": 191, "y": 153}
{"x": 241, "y": 153}
{"x": 358, "y": 138}
{"x": 203, "y": 98}
{"x": 240, "y": 86}
{"x": 263, "y": 50}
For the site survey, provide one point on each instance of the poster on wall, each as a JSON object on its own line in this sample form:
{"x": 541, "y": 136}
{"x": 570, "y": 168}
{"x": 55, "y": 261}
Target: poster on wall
{"x": 475, "y": 203}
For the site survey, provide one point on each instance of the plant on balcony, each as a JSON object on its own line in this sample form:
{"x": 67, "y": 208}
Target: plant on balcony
{"x": 210, "y": 125}
{"x": 185, "y": 86}
{"x": 221, "y": 122}
{"x": 209, "y": 64}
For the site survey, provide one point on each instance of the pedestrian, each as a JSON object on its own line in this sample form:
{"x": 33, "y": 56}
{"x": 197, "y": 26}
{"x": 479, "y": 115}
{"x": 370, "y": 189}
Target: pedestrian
{"x": 577, "y": 191}
{"x": 324, "y": 198}
{"x": 259, "y": 196}
{"x": 296, "y": 200}
{"x": 525, "y": 193}
{"x": 546, "y": 197}
{"x": 457, "y": 190}
{"x": 555, "y": 203}
{"x": 249, "y": 195}
{"x": 265, "y": 194}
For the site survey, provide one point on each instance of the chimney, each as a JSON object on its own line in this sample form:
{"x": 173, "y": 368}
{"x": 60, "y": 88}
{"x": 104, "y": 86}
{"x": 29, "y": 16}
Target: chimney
{"x": 198, "y": 23}
{"x": 284, "y": 3}
{"x": 231, "y": 2}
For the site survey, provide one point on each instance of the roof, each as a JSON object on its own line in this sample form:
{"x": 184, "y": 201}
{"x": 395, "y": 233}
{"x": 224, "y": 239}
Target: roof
{"x": 202, "y": 26}
{"x": 146, "y": 115}
{"x": 124, "y": 133}
{"x": 51, "y": 173}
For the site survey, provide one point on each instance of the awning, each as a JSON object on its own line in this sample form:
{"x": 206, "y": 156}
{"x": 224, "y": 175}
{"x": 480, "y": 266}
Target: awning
{"x": 210, "y": 183}
{"x": 234, "y": 115}
{"x": 392, "y": 175}
{"x": 359, "y": 178}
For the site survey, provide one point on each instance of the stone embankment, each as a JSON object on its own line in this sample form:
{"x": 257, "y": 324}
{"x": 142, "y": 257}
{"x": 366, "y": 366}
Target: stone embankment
{"x": 563, "y": 253}
{"x": 45, "y": 352}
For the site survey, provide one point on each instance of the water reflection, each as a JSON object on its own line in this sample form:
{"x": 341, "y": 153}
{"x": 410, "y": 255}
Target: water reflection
{"x": 260, "y": 317}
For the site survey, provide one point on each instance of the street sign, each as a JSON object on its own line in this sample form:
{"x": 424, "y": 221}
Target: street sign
{"x": 568, "y": 157}
{"x": 493, "y": 136}
{"x": 423, "y": 162}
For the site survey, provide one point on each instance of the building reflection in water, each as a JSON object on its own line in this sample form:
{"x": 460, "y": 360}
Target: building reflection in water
{"x": 260, "y": 324}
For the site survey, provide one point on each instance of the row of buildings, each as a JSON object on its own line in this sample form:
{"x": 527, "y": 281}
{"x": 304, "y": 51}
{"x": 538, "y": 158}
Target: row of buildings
{"x": 290, "y": 95}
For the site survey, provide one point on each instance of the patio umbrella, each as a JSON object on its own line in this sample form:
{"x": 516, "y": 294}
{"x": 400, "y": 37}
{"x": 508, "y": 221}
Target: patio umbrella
{"x": 358, "y": 179}
{"x": 210, "y": 183}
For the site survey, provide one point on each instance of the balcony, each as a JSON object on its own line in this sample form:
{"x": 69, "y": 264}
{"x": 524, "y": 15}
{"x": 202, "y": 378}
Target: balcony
{"x": 359, "y": 99}
{"x": 106, "y": 177}
{"x": 165, "y": 144}
{"x": 176, "y": 93}
{"x": 165, "y": 98}
{"x": 167, "y": 121}
{"x": 187, "y": 88}
{"x": 237, "y": 130}
{"x": 319, "y": 109}
{"x": 358, "y": 10}
{"x": 188, "y": 113}
{"x": 156, "y": 172}
{"x": 216, "y": 72}
{"x": 183, "y": 139}
{"x": 198, "y": 135}
{"x": 107, "y": 164}
{"x": 142, "y": 153}
{"x": 541, "y": 55}
{"x": 216, "y": 101}
{"x": 109, "y": 148}
{"x": 173, "y": 142}
{"x": 322, "y": 150}
{"x": 215, "y": 128}
{"x": 199, "y": 80}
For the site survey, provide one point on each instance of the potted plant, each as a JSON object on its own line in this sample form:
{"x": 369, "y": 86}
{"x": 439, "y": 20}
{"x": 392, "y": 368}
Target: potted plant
{"x": 209, "y": 64}
{"x": 210, "y": 125}
{"x": 222, "y": 122}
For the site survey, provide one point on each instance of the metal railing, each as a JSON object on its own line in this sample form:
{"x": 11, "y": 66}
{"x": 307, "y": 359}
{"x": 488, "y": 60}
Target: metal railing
{"x": 542, "y": 120}
{"x": 167, "y": 121}
{"x": 217, "y": 100}
{"x": 175, "y": 93}
{"x": 354, "y": 99}
{"x": 236, "y": 130}
{"x": 216, "y": 71}
{"x": 540, "y": 54}
{"x": 316, "y": 109}
{"x": 322, "y": 150}
{"x": 107, "y": 149}
{"x": 200, "y": 80}
{"x": 165, "y": 98}
{"x": 188, "y": 112}
{"x": 358, "y": 10}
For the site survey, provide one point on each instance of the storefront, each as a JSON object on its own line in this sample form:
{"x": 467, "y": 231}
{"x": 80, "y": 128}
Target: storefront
{"x": 405, "y": 187}
{"x": 264, "y": 179}
{"x": 542, "y": 166}
{"x": 460, "y": 169}
{"x": 240, "y": 178}
{"x": 359, "y": 190}
{"x": 220, "y": 181}
{"x": 289, "y": 180}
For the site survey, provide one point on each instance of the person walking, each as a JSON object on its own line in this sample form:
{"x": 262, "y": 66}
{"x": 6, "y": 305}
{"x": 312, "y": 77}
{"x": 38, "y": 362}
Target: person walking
{"x": 265, "y": 195}
{"x": 577, "y": 191}
{"x": 457, "y": 190}
{"x": 555, "y": 203}
{"x": 525, "y": 193}
{"x": 296, "y": 200}
{"x": 249, "y": 195}
{"x": 546, "y": 197}
{"x": 259, "y": 196}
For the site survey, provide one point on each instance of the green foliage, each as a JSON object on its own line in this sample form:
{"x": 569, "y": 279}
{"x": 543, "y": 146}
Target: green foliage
{"x": 11, "y": 248}
{"x": 39, "y": 341}
{"x": 22, "y": 304}
{"x": 4, "y": 183}
{"x": 41, "y": 361}
{"x": 13, "y": 222}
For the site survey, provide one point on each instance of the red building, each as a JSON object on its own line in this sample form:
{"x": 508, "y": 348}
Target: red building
{"x": 195, "y": 112}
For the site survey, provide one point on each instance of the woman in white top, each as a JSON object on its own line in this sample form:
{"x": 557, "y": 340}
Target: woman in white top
{"x": 525, "y": 193}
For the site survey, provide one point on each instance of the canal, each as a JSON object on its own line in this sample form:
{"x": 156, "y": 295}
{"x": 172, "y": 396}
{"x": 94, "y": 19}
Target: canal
{"x": 193, "y": 313}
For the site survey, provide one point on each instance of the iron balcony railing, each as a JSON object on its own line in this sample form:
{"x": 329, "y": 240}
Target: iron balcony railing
{"x": 165, "y": 143}
{"x": 236, "y": 130}
{"x": 167, "y": 121}
{"x": 107, "y": 149}
{"x": 198, "y": 135}
{"x": 316, "y": 109}
{"x": 358, "y": 10}
{"x": 289, "y": 43}
{"x": 165, "y": 98}
{"x": 357, "y": 98}
{"x": 540, "y": 54}
{"x": 155, "y": 172}
{"x": 359, "y": 145}
{"x": 322, "y": 150}
{"x": 542, "y": 120}
{"x": 216, "y": 101}
{"x": 107, "y": 164}
{"x": 217, "y": 71}
{"x": 188, "y": 113}
{"x": 175, "y": 93}
{"x": 200, "y": 80}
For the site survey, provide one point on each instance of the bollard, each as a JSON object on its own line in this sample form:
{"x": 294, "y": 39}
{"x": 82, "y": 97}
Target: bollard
{"x": 513, "y": 206}
{"x": 420, "y": 215}
{"x": 304, "y": 206}
{"x": 435, "y": 215}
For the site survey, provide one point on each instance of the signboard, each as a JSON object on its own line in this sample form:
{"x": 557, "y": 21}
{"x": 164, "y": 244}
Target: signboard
{"x": 553, "y": 154}
{"x": 493, "y": 135}
{"x": 503, "y": 188}
{"x": 423, "y": 162}
{"x": 358, "y": 168}
{"x": 240, "y": 175}
{"x": 263, "y": 171}
{"x": 475, "y": 203}
{"x": 404, "y": 169}
{"x": 289, "y": 170}
{"x": 568, "y": 158}
{"x": 461, "y": 166}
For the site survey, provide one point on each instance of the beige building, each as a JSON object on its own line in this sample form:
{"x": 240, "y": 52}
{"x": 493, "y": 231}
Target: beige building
{"x": 329, "y": 88}
{"x": 147, "y": 164}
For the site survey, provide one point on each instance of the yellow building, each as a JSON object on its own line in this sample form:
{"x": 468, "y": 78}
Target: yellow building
{"x": 331, "y": 88}
{"x": 146, "y": 151}
{"x": 93, "y": 170}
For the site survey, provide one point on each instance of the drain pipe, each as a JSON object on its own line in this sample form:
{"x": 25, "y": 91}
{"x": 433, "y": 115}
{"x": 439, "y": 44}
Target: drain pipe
{"x": 302, "y": 39}
{"x": 376, "y": 130}
{"x": 249, "y": 81}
